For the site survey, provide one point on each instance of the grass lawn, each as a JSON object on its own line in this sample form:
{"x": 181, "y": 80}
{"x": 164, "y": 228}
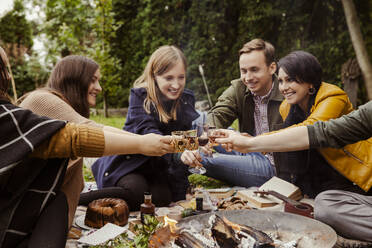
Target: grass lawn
{"x": 110, "y": 121}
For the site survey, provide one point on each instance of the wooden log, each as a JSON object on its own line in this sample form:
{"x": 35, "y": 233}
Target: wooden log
{"x": 224, "y": 234}
{"x": 350, "y": 73}
{"x": 186, "y": 240}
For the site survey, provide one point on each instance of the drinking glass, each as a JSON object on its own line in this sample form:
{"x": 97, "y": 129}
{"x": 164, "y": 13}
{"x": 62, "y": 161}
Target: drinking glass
{"x": 178, "y": 141}
{"x": 202, "y": 137}
{"x": 192, "y": 140}
{"x": 212, "y": 135}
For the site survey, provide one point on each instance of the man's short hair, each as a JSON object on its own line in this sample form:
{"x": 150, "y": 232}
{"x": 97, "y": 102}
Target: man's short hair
{"x": 259, "y": 45}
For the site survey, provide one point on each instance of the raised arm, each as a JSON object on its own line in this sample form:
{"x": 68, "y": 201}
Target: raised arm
{"x": 86, "y": 141}
{"x": 345, "y": 130}
{"x": 47, "y": 103}
{"x": 292, "y": 139}
{"x": 335, "y": 133}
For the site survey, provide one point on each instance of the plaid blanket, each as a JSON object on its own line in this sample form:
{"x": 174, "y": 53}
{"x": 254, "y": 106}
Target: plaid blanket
{"x": 27, "y": 185}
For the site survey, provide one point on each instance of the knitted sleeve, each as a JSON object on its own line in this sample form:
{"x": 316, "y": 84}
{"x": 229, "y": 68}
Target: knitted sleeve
{"x": 73, "y": 141}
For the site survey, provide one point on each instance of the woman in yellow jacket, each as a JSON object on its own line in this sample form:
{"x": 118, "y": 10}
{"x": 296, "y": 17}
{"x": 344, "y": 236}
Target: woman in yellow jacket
{"x": 308, "y": 100}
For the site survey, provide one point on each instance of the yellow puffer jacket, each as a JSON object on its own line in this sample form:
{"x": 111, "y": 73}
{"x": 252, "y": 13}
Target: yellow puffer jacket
{"x": 353, "y": 161}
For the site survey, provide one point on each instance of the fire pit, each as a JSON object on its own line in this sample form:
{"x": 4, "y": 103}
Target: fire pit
{"x": 306, "y": 232}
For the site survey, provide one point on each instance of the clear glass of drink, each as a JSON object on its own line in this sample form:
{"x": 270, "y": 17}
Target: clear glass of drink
{"x": 202, "y": 139}
{"x": 178, "y": 141}
{"x": 212, "y": 135}
{"x": 192, "y": 140}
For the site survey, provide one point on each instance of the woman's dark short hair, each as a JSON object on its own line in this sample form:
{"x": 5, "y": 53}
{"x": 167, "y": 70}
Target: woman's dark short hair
{"x": 71, "y": 77}
{"x": 302, "y": 66}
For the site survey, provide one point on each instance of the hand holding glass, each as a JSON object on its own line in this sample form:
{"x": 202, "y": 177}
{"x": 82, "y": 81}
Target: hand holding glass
{"x": 202, "y": 136}
{"x": 178, "y": 140}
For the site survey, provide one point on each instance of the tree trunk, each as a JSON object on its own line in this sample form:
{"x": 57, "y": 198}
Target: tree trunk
{"x": 105, "y": 109}
{"x": 358, "y": 44}
{"x": 13, "y": 85}
{"x": 350, "y": 73}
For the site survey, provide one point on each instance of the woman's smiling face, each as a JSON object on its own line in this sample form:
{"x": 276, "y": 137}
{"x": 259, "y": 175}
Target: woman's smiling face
{"x": 94, "y": 89}
{"x": 172, "y": 82}
{"x": 294, "y": 92}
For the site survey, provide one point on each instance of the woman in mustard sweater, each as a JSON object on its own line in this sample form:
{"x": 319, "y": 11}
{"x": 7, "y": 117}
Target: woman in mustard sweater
{"x": 71, "y": 90}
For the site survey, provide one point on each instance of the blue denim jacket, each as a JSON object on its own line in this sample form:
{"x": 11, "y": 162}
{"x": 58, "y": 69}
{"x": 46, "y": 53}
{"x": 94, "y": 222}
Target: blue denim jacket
{"x": 108, "y": 170}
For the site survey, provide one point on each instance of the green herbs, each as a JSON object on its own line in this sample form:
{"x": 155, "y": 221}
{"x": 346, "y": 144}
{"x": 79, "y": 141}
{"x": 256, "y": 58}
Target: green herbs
{"x": 197, "y": 180}
{"x": 141, "y": 240}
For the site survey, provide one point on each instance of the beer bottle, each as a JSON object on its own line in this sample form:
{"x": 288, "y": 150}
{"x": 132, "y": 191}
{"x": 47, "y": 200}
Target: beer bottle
{"x": 147, "y": 208}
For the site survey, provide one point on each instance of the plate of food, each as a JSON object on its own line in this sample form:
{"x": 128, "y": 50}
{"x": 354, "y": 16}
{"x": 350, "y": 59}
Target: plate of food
{"x": 103, "y": 211}
{"x": 79, "y": 221}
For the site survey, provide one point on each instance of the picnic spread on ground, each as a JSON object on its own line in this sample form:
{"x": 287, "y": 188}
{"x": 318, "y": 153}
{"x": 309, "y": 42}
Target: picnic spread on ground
{"x": 221, "y": 217}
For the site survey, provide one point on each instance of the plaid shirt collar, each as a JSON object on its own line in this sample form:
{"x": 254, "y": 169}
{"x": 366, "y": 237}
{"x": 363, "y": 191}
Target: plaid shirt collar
{"x": 264, "y": 98}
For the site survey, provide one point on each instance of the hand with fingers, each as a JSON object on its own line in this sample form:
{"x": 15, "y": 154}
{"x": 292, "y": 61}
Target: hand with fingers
{"x": 232, "y": 140}
{"x": 191, "y": 158}
{"x": 156, "y": 145}
{"x": 206, "y": 150}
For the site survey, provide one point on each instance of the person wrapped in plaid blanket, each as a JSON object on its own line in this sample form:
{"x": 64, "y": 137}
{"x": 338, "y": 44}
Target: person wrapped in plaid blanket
{"x": 33, "y": 152}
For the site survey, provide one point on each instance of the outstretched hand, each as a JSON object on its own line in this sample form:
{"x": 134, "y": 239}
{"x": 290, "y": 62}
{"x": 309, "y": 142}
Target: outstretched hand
{"x": 156, "y": 145}
{"x": 191, "y": 158}
{"x": 232, "y": 140}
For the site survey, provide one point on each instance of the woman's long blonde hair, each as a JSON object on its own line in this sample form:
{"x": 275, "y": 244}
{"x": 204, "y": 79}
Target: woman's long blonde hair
{"x": 160, "y": 62}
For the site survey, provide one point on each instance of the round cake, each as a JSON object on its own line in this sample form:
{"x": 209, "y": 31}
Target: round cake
{"x": 107, "y": 210}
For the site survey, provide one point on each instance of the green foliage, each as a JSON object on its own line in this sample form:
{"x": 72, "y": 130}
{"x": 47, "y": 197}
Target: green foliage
{"x": 86, "y": 28}
{"x": 17, "y": 40}
{"x": 141, "y": 240}
{"x": 88, "y": 175}
{"x": 14, "y": 28}
{"x": 28, "y": 75}
{"x": 211, "y": 33}
{"x": 197, "y": 180}
{"x": 122, "y": 34}
{"x": 68, "y": 27}
{"x": 105, "y": 27}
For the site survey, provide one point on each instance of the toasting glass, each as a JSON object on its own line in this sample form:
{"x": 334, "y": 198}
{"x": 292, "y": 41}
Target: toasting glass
{"x": 202, "y": 136}
{"x": 192, "y": 140}
{"x": 178, "y": 141}
{"x": 212, "y": 135}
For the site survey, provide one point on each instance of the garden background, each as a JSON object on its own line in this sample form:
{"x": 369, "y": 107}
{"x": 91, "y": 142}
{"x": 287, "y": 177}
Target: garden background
{"x": 121, "y": 34}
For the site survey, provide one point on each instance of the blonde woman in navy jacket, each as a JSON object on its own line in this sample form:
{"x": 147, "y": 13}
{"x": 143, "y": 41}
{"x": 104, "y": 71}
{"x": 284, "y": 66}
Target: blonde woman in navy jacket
{"x": 158, "y": 104}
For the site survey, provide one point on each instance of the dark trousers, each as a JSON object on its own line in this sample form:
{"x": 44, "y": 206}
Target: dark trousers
{"x": 51, "y": 228}
{"x": 132, "y": 186}
{"x": 135, "y": 184}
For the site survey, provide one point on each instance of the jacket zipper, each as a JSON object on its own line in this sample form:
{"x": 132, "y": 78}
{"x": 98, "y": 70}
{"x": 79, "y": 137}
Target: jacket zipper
{"x": 352, "y": 155}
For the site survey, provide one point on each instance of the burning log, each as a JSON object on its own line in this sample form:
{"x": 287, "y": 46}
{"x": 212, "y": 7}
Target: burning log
{"x": 163, "y": 236}
{"x": 261, "y": 238}
{"x": 224, "y": 234}
{"x": 220, "y": 232}
{"x": 186, "y": 240}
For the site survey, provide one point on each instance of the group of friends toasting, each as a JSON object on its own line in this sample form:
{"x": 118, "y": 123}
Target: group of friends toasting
{"x": 283, "y": 109}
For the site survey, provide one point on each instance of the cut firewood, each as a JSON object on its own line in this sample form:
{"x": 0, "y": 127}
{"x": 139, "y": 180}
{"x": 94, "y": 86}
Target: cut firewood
{"x": 224, "y": 234}
{"x": 186, "y": 240}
